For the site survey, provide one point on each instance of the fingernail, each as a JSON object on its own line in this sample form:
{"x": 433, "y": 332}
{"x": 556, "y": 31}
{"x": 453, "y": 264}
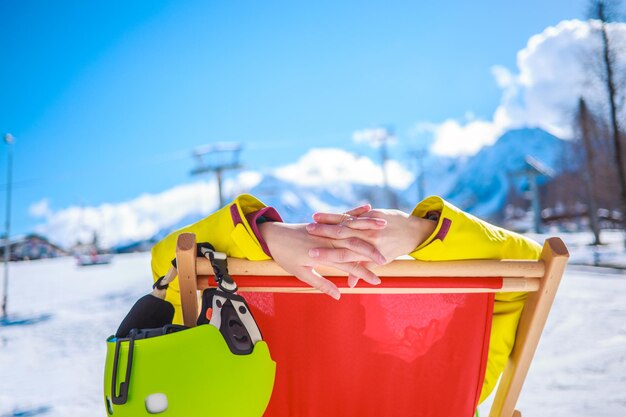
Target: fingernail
{"x": 335, "y": 294}
{"x": 377, "y": 281}
{"x": 314, "y": 253}
{"x": 381, "y": 222}
{"x": 381, "y": 260}
{"x": 310, "y": 227}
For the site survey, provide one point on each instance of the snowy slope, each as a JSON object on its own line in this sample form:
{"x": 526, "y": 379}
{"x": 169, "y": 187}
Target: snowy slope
{"x": 53, "y": 367}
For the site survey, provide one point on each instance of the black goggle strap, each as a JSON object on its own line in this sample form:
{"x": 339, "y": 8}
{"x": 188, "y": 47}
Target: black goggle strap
{"x": 218, "y": 262}
{"x": 226, "y": 291}
{"x": 220, "y": 267}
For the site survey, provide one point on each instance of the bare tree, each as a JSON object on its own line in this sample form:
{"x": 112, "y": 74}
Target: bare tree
{"x": 585, "y": 126}
{"x": 604, "y": 12}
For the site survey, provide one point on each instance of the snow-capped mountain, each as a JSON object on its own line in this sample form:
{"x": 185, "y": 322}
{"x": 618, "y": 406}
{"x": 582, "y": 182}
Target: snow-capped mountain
{"x": 479, "y": 184}
{"x": 484, "y": 181}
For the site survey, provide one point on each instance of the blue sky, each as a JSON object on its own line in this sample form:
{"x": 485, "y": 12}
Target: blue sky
{"x": 106, "y": 100}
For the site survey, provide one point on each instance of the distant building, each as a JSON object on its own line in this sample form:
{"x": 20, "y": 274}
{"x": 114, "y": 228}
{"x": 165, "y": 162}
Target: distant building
{"x": 31, "y": 246}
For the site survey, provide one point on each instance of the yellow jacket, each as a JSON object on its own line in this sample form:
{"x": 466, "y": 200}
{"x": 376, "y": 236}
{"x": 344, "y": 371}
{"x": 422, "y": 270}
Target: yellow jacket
{"x": 458, "y": 235}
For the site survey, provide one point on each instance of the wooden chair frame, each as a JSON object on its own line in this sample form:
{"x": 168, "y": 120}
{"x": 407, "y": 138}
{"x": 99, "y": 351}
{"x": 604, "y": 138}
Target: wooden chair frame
{"x": 540, "y": 278}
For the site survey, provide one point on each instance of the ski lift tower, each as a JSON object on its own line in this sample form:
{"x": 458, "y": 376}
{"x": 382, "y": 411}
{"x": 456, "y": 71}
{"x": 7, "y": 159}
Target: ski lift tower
{"x": 218, "y": 157}
{"x": 381, "y": 138}
{"x": 533, "y": 169}
{"x": 419, "y": 155}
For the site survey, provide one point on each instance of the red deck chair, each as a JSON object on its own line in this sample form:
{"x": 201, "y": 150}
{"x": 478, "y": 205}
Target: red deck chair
{"x": 416, "y": 345}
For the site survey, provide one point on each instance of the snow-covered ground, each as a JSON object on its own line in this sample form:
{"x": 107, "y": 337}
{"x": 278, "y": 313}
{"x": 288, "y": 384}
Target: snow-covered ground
{"x": 53, "y": 364}
{"x": 610, "y": 253}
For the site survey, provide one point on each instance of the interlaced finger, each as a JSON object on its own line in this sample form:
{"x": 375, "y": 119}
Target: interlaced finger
{"x": 359, "y": 271}
{"x": 333, "y": 231}
{"x": 357, "y": 211}
{"x": 352, "y": 280}
{"x": 361, "y": 247}
{"x": 349, "y": 250}
{"x": 355, "y": 223}
{"x": 315, "y": 280}
{"x": 338, "y": 255}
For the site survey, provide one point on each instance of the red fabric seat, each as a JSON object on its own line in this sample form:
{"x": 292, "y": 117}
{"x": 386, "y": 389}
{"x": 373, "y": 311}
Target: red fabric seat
{"x": 375, "y": 354}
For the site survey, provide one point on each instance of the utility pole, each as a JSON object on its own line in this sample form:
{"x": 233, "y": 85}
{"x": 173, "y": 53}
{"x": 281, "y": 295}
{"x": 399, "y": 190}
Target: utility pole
{"x": 383, "y": 139}
{"x": 217, "y": 158}
{"x": 378, "y": 138}
{"x": 419, "y": 156}
{"x": 9, "y": 140}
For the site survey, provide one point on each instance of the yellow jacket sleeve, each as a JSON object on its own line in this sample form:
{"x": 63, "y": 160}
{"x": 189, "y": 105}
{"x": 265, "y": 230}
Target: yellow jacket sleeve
{"x": 227, "y": 230}
{"x": 459, "y": 235}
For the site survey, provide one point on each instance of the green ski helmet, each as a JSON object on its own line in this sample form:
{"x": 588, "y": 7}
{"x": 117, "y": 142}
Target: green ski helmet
{"x": 221, "y": 367}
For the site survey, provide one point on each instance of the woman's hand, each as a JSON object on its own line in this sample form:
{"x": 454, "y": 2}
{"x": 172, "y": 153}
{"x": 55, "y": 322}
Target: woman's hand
{"x": 290, "y": 246}
{"x": 400, "y": 234}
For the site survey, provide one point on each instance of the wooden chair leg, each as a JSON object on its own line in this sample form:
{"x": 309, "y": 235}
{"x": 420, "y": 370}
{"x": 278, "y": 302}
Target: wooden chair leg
{"x": 532, "y": 321}
{"x": 186, "y": 265}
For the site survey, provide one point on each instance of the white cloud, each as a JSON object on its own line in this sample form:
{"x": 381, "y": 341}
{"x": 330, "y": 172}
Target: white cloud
{"x": 249, "y": 179}
{"x": 40, "y": 208}
{"x": 242, "y": 183}
{"x": 556, "y": 67}
{"x": 454, "y": 138}
{"x": 136, "y": 219}
{"x": 373, "y": 137}
{"x": 503, "y": 76}
{"x": 324, "y": 167}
